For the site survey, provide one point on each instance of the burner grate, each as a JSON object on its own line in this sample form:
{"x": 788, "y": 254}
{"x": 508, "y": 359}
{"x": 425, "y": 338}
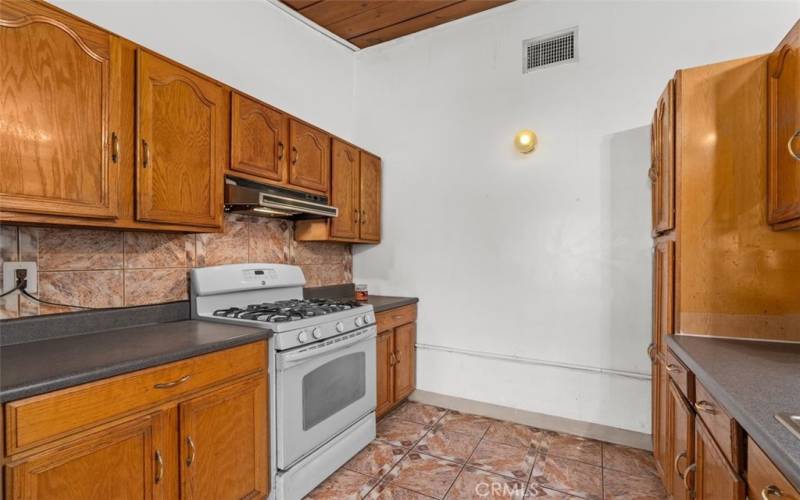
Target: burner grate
{"x": 287, "y": 310}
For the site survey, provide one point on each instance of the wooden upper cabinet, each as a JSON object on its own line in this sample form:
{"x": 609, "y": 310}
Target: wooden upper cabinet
{"x": 345, "y": 187}
{"x": 224, "y": 448}
{"x": 662, "y": 171}
{"x": 182, "y": 144}
{"x": 714, "y": 479}
{"x": 370, "y": 183}
{"x": 309, "y": 157}
{"x": 59, "y": 117}
{"x": 258, "y": 139}
{"x": 784, "y": 132}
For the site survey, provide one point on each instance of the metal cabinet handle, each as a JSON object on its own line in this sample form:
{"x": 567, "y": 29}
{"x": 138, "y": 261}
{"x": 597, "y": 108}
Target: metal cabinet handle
{"x": 192, "y": 450}
{"x": 686, "y": 473}
{"x": 674, "y": 368}
{"x": 295, "y": 155}
{"x": 771, "y": 491}
{"x": 651, "y": 352}
{"x": 280, "y": 151}
{"x": 397, "y": 356}
{"x": 677, "y": 462}
{"x": 789, "y": 145}
{"x": 705, "y": 406}
{"x": 159, "y": 467}
{"x": 114, "y": 147}
{"x": 145, "y": 154}
{"x": 167, "y": 385}
{"x": 392, "y": 359}
{"x": 363, "y": 217}
{"x": 651, "y": 173}
{"x": 355, "y": 215}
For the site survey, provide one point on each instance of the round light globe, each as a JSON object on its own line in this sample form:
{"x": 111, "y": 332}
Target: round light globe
{"x": 525, "y": 141}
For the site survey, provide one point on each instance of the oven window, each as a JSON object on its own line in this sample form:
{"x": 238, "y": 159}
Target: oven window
{"x": 332, "y": 387}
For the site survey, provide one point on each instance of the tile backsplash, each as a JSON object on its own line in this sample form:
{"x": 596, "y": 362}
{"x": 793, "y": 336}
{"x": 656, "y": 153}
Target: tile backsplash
{"x": 102, "y": 268}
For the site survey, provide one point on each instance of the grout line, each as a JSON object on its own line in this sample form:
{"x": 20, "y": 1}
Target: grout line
{"x": 466, "y": 462}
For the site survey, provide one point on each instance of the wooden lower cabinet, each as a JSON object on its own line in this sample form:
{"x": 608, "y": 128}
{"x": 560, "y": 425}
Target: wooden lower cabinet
{"x": 661, "y": 447}
{"x": 714, "y": 479}
{"x": 680, "y": 425}
{"x": 764, "y": 480}
{"x": 385, "y": 372}
{"x": 396, "y": 357}
{"x": 405, "y": 339}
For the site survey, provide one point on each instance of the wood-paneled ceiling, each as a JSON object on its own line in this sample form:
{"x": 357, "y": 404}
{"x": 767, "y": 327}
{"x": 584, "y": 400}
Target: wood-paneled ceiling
{"x": 369, "y": 22}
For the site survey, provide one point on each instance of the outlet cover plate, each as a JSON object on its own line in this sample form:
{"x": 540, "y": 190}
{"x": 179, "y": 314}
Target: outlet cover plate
{"x": 10, "y": 275}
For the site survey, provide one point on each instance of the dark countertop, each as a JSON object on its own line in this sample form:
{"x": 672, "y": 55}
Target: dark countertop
{"x": 37, "y": 367}
{"x": 753, "y": 381}
{"x": 348, "y": 291}
{"x": 384, "y": 303}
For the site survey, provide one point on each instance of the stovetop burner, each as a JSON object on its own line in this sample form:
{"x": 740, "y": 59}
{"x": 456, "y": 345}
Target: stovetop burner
{"x": 287, "y": 310}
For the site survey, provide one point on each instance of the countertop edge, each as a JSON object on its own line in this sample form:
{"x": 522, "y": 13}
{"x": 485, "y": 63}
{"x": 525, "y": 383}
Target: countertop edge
{"x": 395, "y": 302}
{"x": 765, "y": 441}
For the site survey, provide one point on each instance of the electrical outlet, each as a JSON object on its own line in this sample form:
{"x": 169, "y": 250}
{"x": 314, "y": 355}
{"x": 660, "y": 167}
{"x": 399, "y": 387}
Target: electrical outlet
{"x": 10, "y": 275}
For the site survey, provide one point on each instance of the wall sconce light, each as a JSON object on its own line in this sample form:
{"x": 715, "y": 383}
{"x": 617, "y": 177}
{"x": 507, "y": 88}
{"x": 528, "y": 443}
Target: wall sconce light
{"x": 525, "y": 141}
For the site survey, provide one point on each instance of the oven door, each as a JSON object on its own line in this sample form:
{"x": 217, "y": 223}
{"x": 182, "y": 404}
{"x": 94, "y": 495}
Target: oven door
{"x": 322, "y": 389}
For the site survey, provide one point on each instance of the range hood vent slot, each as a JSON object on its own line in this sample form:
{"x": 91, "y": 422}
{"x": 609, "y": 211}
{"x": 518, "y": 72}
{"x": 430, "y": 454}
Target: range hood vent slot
{"x": 549, "y": 50}
{"x": 252, "y": 198}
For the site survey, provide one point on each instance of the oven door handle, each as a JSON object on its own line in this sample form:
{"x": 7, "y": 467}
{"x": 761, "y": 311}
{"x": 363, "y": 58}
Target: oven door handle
{"x": 288, "y": 360}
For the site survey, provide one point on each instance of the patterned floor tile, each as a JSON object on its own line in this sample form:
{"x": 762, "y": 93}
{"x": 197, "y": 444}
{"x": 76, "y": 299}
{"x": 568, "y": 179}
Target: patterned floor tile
{"x": 449, "y": 445}
{"x": 400, "y": 432}
{"x": 513, "y": 434}
{"x": 535, "y": 491}
{"x": 622, "y": 486}
{"x": 503, "y": 459}
{"x": 573, "y": 448}
{"x": 343, "y": 485}
{"x": 465, "y": 423}
{"x": 419, "y": 413}
{"x": 475, "y": 483}
{"x": 394, "y": 492}
{"x": 631, "y": 460}
{"x": 376, "y": 459}
{"x": 568, "y": 476}
{"x": 425, "y": 474}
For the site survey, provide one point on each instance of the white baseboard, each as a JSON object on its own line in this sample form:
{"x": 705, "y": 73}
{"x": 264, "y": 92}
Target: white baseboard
{"x": 538, "y": 420}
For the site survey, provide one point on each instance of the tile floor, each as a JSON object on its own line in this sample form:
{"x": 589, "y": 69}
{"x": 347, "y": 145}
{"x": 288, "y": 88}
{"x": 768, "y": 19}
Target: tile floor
{"x": 423, "y": 452}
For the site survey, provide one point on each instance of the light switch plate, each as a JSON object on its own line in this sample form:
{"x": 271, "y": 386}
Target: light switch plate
{"x": 10, "y": 275}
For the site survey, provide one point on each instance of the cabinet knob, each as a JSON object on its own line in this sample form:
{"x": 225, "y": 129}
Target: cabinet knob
{"x": 355, "y": 215}
{"x": 114, "y": 147}
{"x": 191, "y": 452}
{"x": 705, "y": 406}
{"x": 651, "y": 352}
{"x": 159, "y": 467}
{"x": 397, "y": 356}
{"x": 674, "y": 368}
{"x": 677, "y": 464}
{"x": 295, "y": 155}
{"x": 280, "y": 151}
{"x": 172, "y": 383}
{"x": 771, "y": 491}
{"x": 145, "y": 154}
{"x": 689, "y": 470}
{"x": 791, "y": 148}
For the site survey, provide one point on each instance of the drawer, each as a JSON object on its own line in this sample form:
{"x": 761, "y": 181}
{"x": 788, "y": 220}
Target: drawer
{"x": 725, "y": 430}
{"x": 681, "y": 375}
{"x": 395, "y": 317}
{"x": 764, "y": 480}
{"x": 39, "y": 419}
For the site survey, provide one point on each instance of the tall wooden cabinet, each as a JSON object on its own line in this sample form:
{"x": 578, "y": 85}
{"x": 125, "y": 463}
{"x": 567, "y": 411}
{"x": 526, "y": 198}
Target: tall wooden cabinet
{"x": 396, "y": 356}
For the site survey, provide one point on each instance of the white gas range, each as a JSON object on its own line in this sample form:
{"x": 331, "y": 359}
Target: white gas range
{"x": 322, "y": 365}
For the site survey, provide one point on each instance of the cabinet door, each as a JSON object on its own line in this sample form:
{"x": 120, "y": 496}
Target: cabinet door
{"x": 663, "y": 313}
{"x": 664, "y": 174}
{"x": 681, "y": 433}
{"x": 125, "y": 461}
{"x": 714, "y": 478}
{"x": 784, "y": 130}
{"x": 224, "y": 443}
{"x": 370, "y": 197}
{"x": 59, "y": 117}
{"x": 310, "y": 160}
{"x": 661, "y": 448}
{"x": 182, "y": 145}
{"x": 405, "y": 339}
{"x": 258, "y": 139}
{"x": 385, "y": 371}
{"x": 345, "y": 190}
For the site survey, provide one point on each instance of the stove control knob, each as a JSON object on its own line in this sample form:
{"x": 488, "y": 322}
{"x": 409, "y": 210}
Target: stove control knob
{"x": 339, "y": 327}
{"x": 368, "y": 319}
{"x": 359, "y": 321}
{"x": 302, "y": 337}
{"x": 317, "y": 333}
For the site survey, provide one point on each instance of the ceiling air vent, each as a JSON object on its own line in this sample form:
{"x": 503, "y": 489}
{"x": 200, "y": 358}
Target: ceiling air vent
{"x": 549, "y": 50}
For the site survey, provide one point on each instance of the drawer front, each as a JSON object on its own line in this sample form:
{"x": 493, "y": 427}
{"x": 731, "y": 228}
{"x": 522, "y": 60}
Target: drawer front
{"x": 37, "y": 420}
{"x": 395, "y": 317}
{"x": 681, "y": 375}
{"x": 725, "y": 430}
{"x": 764, "y": 480}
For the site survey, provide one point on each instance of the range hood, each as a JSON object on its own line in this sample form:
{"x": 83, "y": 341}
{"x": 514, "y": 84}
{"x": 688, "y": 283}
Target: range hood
{"x": 251, "y": 198}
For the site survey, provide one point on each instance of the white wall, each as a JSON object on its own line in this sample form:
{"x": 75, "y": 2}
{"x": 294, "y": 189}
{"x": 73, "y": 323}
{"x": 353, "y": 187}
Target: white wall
{"x": 248, "y": 44}
{"x": 545, "y": 258}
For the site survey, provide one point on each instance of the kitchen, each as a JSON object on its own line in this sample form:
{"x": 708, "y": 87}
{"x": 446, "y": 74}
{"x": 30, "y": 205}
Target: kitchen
{"x": 195, "y": 194}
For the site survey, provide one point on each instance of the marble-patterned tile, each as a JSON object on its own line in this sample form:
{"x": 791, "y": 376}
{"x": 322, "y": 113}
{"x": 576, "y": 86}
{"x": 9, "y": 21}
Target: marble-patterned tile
{"x": 228, "y": 247}
{"x": 419, "y": 413}
{"x": 425, "y": 474}
{"x": 325, "y": 274}
{"x": 503, "y": 459}
{"x": 400, "y": 432}
{"x": 631, "y": 460}
{"x": 144, "y": 250}
{"x": 28, "y": 243}
{"x": 449, "y": 445}
{"x": 78, "y": 249}
{"x": 155, "y": 286}
{"x": 536, "y": 491}
{"x": 9, "y": 306}
{"x": 344, "y": 484}
{"x": 390, "y": 491}
{"x": 568, "y": 476}
{"x": 95, "y": 289}
{"x": 270, "y": 240}
{"x": 313, "y": 252}
{"x": 475, "y": 483}
{"x": 622, "y": 486}
{"x": 376, "y": 459}
{"x": 514, "y": 434}
{"x": 573, "y": 447}
{"x": 465, "y": 423}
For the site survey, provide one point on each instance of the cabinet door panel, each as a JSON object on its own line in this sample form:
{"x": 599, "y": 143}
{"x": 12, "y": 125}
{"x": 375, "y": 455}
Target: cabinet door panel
{"x": 224, "y": 443}
{"x": 258, "y": 139}
{"x": 58, "y": 114}
{"x": 345, "y": 190}
{"x": 385, "y": 371}
{"x": 661, "y": 450}
{"x": 681, "y": 433}
{"x": 664, "y": 174}
{"x": 370, "y": 197}
{"x": 181, "y": 138}
{"x": 714, "y": 478}
{"x": 405, "y": 339}
{"x": 663, "y": 313}
{"x": 310, "y": 157}
{"x": 118, "y": 463}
